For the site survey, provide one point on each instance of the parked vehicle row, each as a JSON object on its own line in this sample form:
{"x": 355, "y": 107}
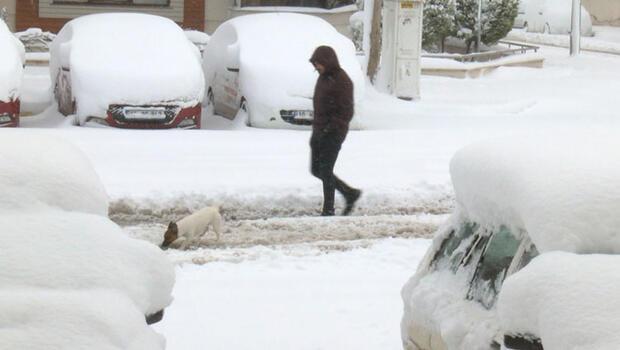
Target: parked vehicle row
{"x": 143, "y": 71}
{"x": 550, "y": 17}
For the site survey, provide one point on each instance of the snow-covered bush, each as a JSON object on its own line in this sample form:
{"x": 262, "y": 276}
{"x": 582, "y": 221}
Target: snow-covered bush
{"x": 497, "y": 20}
{"x": 438, "y": 23}
{"x": 356, "y": 23}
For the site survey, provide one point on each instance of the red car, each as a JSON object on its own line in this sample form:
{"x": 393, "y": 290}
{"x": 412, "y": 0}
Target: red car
{"x": 12, "y": 58}
{"x": 127, "y": 70}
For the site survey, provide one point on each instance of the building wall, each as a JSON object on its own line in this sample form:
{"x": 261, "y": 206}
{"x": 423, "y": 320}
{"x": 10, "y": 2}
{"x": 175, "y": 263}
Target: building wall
{"x": 604, "y": 12}
{"x": 10, "y": 6}
{"x": 49, "y": 16}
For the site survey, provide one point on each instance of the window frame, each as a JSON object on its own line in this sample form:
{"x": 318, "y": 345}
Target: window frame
{"x": 127, "y": 3}
{"x": 240, "y": 4}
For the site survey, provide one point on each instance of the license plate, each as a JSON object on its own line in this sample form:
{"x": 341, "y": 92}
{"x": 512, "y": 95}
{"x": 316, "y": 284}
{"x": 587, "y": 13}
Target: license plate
{"x": 145, "y": 113}
{"x": 304, "y": 116}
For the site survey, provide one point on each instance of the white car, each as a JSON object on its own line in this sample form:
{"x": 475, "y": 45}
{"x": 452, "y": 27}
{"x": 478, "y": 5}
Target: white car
{"x": 259, "y": 65}
{"x": 127, "y": 70}
{"x": 551, "y": 17}
{"x": 535, "y": 215}
{"x": 12, "y": 59}
{"x": 58, "y": 242}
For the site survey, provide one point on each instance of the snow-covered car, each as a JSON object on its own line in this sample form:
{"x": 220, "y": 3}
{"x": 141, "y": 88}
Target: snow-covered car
{"x": 259, "y": 65}
{"x": 127, "y": 70}
{"x": 198, "y": 38}
{"x": 551, "y": 17}
{"x": 58, "y": 242}
{"x": 12, "y": 59}
{"x": 505, "y": 271}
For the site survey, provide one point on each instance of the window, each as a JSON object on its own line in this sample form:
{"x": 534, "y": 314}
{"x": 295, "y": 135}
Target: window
{"x": 454, "y": 248}
{"x": 325, "y": 4}
{"x": 115, "y": 2}
{"x": 493, "y": 267}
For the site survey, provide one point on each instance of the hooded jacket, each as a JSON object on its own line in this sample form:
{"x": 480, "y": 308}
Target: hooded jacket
{"x": 333, "y": 95}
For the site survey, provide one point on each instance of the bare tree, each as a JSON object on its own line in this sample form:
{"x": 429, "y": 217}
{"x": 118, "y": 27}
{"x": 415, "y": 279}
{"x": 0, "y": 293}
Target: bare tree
{"x": 374, "y": 55}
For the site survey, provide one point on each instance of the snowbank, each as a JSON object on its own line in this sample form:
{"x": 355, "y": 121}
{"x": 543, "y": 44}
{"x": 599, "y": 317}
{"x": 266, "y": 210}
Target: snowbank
{"x": 569, "y": 301}
{"x": 276, "y": 73}
{"x": 11, "y": 64}
{"x": 563, "y": 191}
{"x": 103, "y": 320}
{"x": 41, "y": 171}
{"x": 127, "y": 59}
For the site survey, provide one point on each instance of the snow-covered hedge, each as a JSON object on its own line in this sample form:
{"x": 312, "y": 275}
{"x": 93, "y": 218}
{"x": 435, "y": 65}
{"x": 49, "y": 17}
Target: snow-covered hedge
{"x": 12, "y": 58}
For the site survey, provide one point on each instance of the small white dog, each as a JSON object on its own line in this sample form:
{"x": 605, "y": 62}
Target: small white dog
{"x": 192, "y": 227}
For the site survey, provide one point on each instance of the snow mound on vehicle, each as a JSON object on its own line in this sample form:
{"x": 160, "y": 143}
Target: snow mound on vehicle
{"x": 102, "y": 320}
{"x": 563, "y": 191}
{"x": 569, "y": 301}
{"x": 75, "y": 251}
{"x": 12, "y": 59}
{"x": 127, "y": 58}
{"x": 38, "y": 171}
{"x": 276, "y": 72}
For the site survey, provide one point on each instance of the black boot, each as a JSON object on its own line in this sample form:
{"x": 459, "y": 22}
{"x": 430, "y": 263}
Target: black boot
{"x": 351, "y": 198}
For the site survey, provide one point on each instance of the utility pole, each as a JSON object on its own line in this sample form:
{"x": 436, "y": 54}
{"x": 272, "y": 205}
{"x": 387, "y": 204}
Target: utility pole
{"x": 374, "y": 56}
{"x": 575, "y": 32}
{"x": 479, "y": 30}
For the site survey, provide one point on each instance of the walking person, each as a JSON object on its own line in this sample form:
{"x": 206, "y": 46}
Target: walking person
{"x": 333, "y": 111}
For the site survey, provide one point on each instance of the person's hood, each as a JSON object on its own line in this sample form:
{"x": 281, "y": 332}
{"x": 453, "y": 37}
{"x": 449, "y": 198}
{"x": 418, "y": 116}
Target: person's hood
{"x": 326, "y": 56}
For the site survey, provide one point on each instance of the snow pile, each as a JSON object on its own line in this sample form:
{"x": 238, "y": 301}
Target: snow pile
{"x": 569, "y": 301}
{"x": 44, "y": 319}
{"x": 563, "y": 191}
{"x": 127, "y": 59}
{"x": 276, "y": 74}
{"x": 35, "y": 40}
{"x": 71, "y": 278}
{"x": 12, "y": 59}
{"x": 41, "y": 171}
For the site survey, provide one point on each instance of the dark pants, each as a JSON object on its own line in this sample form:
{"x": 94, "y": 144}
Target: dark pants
{"x": 324, "y": 153}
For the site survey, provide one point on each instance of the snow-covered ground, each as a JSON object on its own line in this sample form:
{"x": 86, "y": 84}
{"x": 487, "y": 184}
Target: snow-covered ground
{"x": 344, "y": 300}
{"x": 282, "y": 279}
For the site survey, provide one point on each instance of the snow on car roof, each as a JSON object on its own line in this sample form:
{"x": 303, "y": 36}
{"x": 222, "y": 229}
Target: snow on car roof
{"x": 41, "y": 171}
{"x": 127, "y": 58}
{"x": 11, "y": 64}
{"x": 275, "y": 48}
{"x": 568, "y": 300}
{"x": 564, "y": 190}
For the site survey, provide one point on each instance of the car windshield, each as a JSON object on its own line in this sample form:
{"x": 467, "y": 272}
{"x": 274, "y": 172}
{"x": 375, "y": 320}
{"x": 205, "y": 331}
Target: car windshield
{"x": 493, "y": 266}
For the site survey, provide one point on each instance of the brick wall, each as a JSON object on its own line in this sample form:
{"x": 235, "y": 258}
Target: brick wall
{"x": 27, "y": 15}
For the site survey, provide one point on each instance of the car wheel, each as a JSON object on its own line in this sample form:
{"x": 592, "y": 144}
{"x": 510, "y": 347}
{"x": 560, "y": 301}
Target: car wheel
{"x": 245, "y": 110}
{"x": 210, "y": 107}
